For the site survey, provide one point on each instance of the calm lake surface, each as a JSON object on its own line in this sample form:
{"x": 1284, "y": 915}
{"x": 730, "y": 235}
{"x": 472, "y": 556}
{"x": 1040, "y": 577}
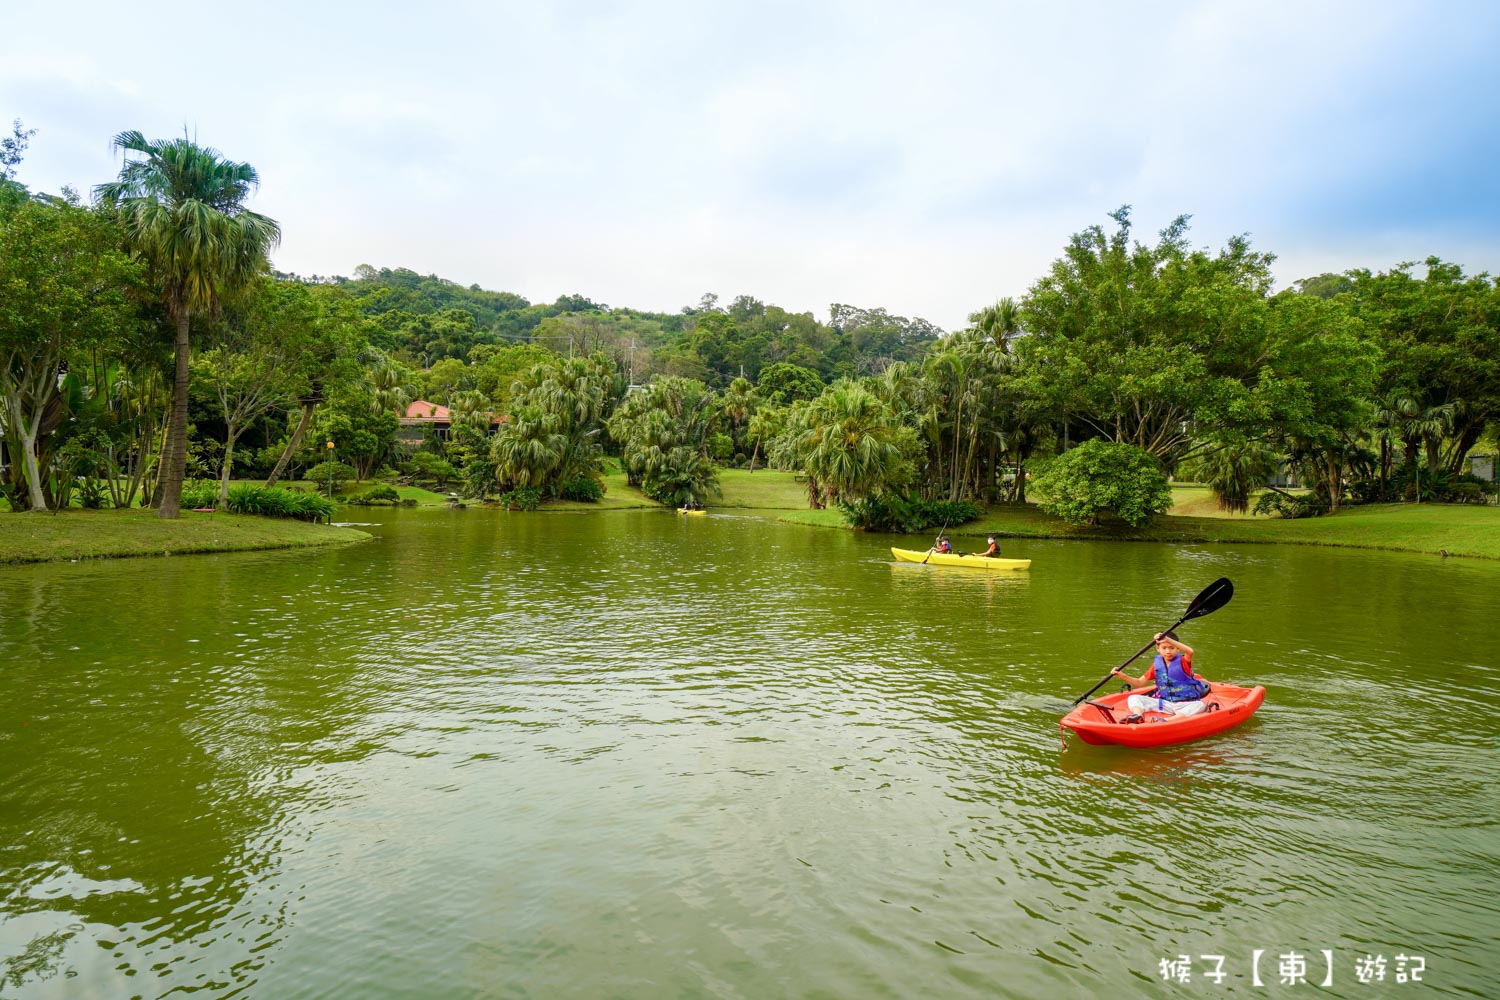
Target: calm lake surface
{"x": 639, "y": 755}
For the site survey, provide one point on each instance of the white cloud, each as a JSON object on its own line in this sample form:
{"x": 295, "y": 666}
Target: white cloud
{"x": 927, "y": 162}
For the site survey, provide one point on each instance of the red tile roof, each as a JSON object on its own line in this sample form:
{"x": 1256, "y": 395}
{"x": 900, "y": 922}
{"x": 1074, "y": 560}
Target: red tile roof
{"x": 421, "y": 411}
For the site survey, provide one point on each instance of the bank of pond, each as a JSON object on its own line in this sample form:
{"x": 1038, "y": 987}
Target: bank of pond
{"x": 1434, "y": 529}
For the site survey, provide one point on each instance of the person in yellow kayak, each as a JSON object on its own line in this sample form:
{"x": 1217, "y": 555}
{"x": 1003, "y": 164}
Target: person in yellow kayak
{"x": 1178, "y": 691}
{"x": 941, "y": 545}
{"x": 994, "y": 550}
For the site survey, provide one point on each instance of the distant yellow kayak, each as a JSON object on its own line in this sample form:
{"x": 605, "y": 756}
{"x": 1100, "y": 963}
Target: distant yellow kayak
{"x": 953, "y": 559}
{"x": 698, "y": 513}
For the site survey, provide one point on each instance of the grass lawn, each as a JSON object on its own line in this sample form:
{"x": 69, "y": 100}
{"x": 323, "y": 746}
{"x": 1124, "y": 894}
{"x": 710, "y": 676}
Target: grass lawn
{"x": 763, "y": 489}
{"x": 1195, "y": 517}
{"x": 1199, "y": 501}
{"x": 100, "y": 534}
{"x": 1460, "y": 530}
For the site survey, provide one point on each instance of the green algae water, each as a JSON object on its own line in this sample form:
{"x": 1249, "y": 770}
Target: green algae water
{"x": 639, "y": 755}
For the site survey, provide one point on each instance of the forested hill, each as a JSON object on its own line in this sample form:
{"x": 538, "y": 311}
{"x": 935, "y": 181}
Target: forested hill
{"x": 425, "y": 318}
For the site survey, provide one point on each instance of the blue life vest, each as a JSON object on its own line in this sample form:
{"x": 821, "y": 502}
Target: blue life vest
{"x": 1175, "y": 681}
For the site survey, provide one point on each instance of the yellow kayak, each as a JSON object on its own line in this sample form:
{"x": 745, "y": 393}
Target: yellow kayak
{"x": 953, "y": 559}
{"x": 693, "y": 513}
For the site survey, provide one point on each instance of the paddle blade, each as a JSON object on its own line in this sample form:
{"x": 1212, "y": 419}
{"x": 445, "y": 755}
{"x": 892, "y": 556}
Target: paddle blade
{"x": 1214, "y": 597}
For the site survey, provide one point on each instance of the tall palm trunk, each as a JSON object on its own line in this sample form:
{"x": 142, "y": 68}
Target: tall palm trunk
{"x": 174, "y": 456}
{"x": 958, "y": 423}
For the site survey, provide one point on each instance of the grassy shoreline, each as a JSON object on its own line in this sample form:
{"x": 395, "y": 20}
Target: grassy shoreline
{"x": 1434, "y": 529}
{"x": 108, "y": 534}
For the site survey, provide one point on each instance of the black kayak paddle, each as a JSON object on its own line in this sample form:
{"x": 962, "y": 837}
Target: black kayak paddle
{"x": 934, "y": 544}
{"x": 1214, "y": 597}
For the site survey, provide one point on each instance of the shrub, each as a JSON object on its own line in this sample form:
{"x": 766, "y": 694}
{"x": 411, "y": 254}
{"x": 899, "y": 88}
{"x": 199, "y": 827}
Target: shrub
{"x": 584, "y": 489}
{"x": 1290, "y": 506}
{"x": 376, "y": 494}
{"x": 478, "y": 477}
{"x": 91, "y": 494}
{"x": 248, "y": 499}
{"x": 890, "y": 512}
{"x": 320, "y": 474}
{"x": 425, "y": 465}
{"x": 1083, "y": 482}
{"x": 199, "y": 493}
{"x": 1429, "y": 487}
{"x": 527, "y": 498}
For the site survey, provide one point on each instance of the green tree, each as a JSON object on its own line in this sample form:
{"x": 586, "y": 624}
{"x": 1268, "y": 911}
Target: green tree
{"x": 999, "y": 322}
{"x": 1098, "y": 476}
{"x": 1326, "y": 286}
{"x": 1141, "y": 345}
{"x": 784, "y": 383}
{"x": 13, "y": 149}
{"x": 850, "y": 443}
{"x": 64, "y": 287}
{"x": 1440, "y": 337}
{"x": 664, "y": 433}
{"x": 362, "y": 437}
{"x": 257, "y": 362}
{"x": 329, "y": 363}
{"x": 1234, "y": 471}
{"x": 183, "y": 210}
{"x": 390, "y": 385}
{"x": 444, "y": 378}
{"x": 1317, "y": 381}
{"x": 737, "y": 405}
{"x": 496, "y": 369}
{"x": 553, "y": 435}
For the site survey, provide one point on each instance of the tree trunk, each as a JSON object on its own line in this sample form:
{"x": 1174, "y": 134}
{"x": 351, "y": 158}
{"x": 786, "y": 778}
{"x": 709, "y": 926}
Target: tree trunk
{"x": 22, "y": 437}
{"x": 1335, "y": 483}
{"x": 174, "y": 456}
{"x": 33, "y": 471}
{"x": 291, "y": 446}
{"x": 230, "y": 438}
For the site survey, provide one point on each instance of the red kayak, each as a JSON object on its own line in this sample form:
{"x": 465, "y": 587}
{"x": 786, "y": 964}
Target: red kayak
{"x": 1227, "y": 706}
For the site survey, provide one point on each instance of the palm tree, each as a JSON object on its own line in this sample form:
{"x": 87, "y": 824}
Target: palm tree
{"x": 764, "y": 424}
{"x": 182, "y": 206}
{"x": 1235, "y": 471}
{"x": 851, "y": 444}
{"x": 663, "y": 435}
{"x": 527, "y": 449}
{"x": 389, "y": 387}
{"x": 999, "y": 322}
{"x": 553, "y": 437}
{"x": 738, "y": 405}
{"x": 1418, "y": 426}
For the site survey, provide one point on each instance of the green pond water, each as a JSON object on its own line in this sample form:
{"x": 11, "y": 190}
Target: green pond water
{"x": 639, "y": 755}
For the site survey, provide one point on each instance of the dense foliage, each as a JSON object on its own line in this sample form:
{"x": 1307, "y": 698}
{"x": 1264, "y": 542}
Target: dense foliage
{"x": 891, "y": 512}
{"x": 1098, "y": 476}
{"x": 274, "y": 502}
{"x": 143, "y": 340}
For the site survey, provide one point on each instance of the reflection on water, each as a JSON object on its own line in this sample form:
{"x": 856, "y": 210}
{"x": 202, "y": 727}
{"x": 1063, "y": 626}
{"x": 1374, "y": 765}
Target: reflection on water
{"x": 641, "y": 755}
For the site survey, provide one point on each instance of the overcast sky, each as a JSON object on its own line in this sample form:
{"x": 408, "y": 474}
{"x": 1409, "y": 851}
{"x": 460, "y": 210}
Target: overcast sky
{"x": 924, "y": 158}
